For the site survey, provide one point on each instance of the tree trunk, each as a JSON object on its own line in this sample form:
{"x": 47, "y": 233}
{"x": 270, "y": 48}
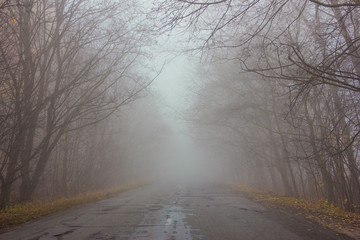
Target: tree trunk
{"x": 326, "y": 176}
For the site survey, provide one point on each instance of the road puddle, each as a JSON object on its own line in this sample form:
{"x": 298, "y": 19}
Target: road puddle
{"x": 167, "y": 223}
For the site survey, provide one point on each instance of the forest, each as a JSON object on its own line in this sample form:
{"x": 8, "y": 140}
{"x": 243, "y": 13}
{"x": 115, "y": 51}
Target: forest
{"x": 275, "y": 94}
{"x": 278, "y": 99}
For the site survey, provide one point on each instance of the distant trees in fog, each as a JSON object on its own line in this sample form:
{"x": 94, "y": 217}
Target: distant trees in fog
{"x": 284, "y": 85}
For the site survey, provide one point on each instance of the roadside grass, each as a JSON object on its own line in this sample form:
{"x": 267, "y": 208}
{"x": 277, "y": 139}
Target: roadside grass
{"x": 320, "y": 211}
{"x": 22, "y": 213}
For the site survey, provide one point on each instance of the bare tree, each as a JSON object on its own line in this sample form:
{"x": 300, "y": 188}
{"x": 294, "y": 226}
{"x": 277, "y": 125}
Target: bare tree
{"x": 68, "y": 64}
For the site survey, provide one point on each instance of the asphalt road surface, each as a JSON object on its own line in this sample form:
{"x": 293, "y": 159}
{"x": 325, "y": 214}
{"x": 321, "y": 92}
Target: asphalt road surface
{"x": 170, "y": 211}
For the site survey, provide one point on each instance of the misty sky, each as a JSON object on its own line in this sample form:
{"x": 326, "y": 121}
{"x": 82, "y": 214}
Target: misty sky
{"x": 173, "y": 83}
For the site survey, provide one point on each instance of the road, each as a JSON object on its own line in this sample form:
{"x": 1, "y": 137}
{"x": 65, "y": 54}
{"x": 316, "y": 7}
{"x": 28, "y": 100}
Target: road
{"x": 170, "y": 211}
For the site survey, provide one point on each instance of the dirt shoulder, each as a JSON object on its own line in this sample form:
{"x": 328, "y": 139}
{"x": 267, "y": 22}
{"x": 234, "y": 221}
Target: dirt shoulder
{"x": 318, "y": 217}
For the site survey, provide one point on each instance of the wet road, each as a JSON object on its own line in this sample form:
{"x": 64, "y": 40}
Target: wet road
{"x": 172, "y": 211}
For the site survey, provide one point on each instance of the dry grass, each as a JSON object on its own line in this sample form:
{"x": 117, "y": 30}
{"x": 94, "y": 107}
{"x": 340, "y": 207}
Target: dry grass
{"x": 21, "y": 213}
{"x": 319, "y": 211}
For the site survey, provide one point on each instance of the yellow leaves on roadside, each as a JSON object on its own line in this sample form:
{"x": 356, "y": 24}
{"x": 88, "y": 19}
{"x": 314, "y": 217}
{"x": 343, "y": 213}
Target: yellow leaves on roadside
{"x": 21, "y": 213}
{"x": 321, "y": 211}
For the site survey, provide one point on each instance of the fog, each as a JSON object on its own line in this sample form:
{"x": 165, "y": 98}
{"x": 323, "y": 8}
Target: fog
{"x": 97, "y": 94}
